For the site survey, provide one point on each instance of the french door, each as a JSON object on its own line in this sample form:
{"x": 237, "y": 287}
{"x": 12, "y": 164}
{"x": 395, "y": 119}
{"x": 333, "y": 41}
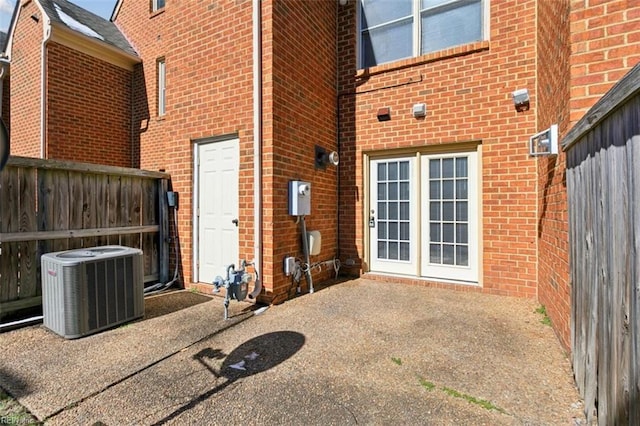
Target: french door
{"x": 423, "y": 216}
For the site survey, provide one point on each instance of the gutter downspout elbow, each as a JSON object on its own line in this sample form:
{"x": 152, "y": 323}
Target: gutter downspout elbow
{"x": 257, "y": 146}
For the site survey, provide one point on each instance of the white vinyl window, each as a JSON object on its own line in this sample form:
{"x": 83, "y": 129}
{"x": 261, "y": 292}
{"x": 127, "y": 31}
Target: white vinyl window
{"x": 391, "y": 30}
{"x": 162, "y": 87}
{"x": 157, "y": 5}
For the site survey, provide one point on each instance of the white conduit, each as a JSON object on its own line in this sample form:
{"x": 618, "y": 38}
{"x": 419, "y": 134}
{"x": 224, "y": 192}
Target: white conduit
{"x": 257, "y": 146}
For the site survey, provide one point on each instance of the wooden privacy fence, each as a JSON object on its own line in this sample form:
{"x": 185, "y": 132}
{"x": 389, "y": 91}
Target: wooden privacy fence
{"x": 50, "y": 205}
{"x": 603, "y": 184}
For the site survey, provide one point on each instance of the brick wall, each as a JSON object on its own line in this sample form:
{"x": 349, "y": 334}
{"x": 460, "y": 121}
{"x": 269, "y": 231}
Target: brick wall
{"x": 149, "y": 35}
{"x": 468, "y": 95}
{"x": 605, "y": 44}
{"x": 207, "y": 51}
{"x": 88, "y": 109}
{"x": 25, "y": 83}
{"x": 302, "y": 90}
{"x": 553, "y": 77}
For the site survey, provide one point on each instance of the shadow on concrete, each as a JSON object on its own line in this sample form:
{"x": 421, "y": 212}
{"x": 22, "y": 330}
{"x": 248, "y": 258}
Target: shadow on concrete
{"x": 19, "y": 387}
{"x": 252, "y": 357}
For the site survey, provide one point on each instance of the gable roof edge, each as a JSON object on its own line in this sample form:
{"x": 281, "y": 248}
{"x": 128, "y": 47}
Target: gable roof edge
{"x": 93, "y": 47}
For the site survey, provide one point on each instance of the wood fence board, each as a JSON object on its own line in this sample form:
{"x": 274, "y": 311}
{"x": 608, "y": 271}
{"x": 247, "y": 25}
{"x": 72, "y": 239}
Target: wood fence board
{"x": 90, "y": 212}
{"x": 634, "y": 309}
{"x": 10, "y": 252}
{"x": 113, "y": 200}
{"x": 29, "y": 270}
{"x": 102, "y": 205}
{"x": 135, "y": 215}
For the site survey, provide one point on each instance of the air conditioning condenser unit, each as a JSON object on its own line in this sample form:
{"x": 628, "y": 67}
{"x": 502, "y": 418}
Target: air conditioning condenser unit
{"x": 88, "y": 290}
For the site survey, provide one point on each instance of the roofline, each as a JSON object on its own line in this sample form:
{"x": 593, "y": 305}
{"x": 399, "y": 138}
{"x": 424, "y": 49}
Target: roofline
{"x": 94, "y": 47}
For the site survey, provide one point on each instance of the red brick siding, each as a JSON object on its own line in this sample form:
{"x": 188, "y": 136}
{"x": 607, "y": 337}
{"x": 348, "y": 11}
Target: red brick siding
{"x": 149, "y": 35}
{"x": 303, "y": 96}
{"x": 207, "y": 49}
{"x": 553, "y": 77}
{"x": 208, "y": 53}
{"x": 468, "y": 95}
{"x": 88, "y": 109}
{"x": 605, "y": 44}
{"x": 25, "y": 83}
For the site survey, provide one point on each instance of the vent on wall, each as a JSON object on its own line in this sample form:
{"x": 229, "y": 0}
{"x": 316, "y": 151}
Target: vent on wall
{"x": 88, "y": 290}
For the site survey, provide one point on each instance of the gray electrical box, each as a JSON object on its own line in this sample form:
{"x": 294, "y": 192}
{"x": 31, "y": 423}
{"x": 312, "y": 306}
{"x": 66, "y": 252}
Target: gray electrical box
{"x": 299, "y": 198}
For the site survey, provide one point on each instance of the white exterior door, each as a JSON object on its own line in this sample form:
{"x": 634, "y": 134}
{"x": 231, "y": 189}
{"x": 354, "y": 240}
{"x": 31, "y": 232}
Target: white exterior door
{"x": 217, "y": 208}
{"x": 392, "y": 233}
{"x": 450, "y": 217}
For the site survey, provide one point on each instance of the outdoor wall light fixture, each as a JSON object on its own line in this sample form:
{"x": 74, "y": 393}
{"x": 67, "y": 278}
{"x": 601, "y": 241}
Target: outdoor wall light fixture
{"x": 323, "y": 158}
{"x": 544, "y": 142}
{"x": 419, "y": 110}
{"x": 384, "y": 114}
{"x": 521, "y": 100}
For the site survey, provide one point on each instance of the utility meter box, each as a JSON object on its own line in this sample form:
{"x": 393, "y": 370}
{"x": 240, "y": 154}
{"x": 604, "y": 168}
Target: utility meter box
{"x": 299, "y": 198}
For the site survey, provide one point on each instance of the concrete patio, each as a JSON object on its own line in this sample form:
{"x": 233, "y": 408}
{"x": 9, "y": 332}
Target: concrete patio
{"x": 365, "y": 352}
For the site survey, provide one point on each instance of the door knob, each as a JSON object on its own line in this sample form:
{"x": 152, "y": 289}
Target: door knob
{"x": 235, "y": 222}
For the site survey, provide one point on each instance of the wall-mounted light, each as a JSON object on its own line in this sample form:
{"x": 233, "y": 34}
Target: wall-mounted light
{"x": 521, "y": 100}
{"x": 544, "y": 142}
{"x": 323, "y": 158}
{"x": 384, "y": 114}
{"x": 419, "y": 110}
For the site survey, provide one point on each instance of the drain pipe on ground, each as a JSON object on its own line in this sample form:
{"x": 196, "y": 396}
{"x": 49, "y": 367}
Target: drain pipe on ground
{"x": 257, "y": 146}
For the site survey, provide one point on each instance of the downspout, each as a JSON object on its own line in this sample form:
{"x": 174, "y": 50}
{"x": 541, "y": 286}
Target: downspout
{"x": 43, "y": 84}
{"x": 257, "y": 146}
{"x": 4, "y": 64}
{"x": 338, "y": 143}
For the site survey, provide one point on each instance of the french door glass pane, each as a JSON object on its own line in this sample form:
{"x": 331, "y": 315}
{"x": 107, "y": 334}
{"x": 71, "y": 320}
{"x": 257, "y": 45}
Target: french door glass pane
{"x": 394, "y": 210}
{"x": 448, "y": 209}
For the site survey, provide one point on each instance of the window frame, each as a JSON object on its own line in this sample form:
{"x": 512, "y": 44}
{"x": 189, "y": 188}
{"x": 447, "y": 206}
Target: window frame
{"x": 416, "y": 29}
{"x": 155, "y": 7}
{"x": 161, "y": 81}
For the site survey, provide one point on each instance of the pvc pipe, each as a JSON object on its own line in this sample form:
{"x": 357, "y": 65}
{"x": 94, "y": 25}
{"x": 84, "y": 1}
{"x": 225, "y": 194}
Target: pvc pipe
{"x": 21, "y": 323}
{"x": 305, "y": 248}
{"x": 257, "y": 146}
{"x": 43, "y": 80}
